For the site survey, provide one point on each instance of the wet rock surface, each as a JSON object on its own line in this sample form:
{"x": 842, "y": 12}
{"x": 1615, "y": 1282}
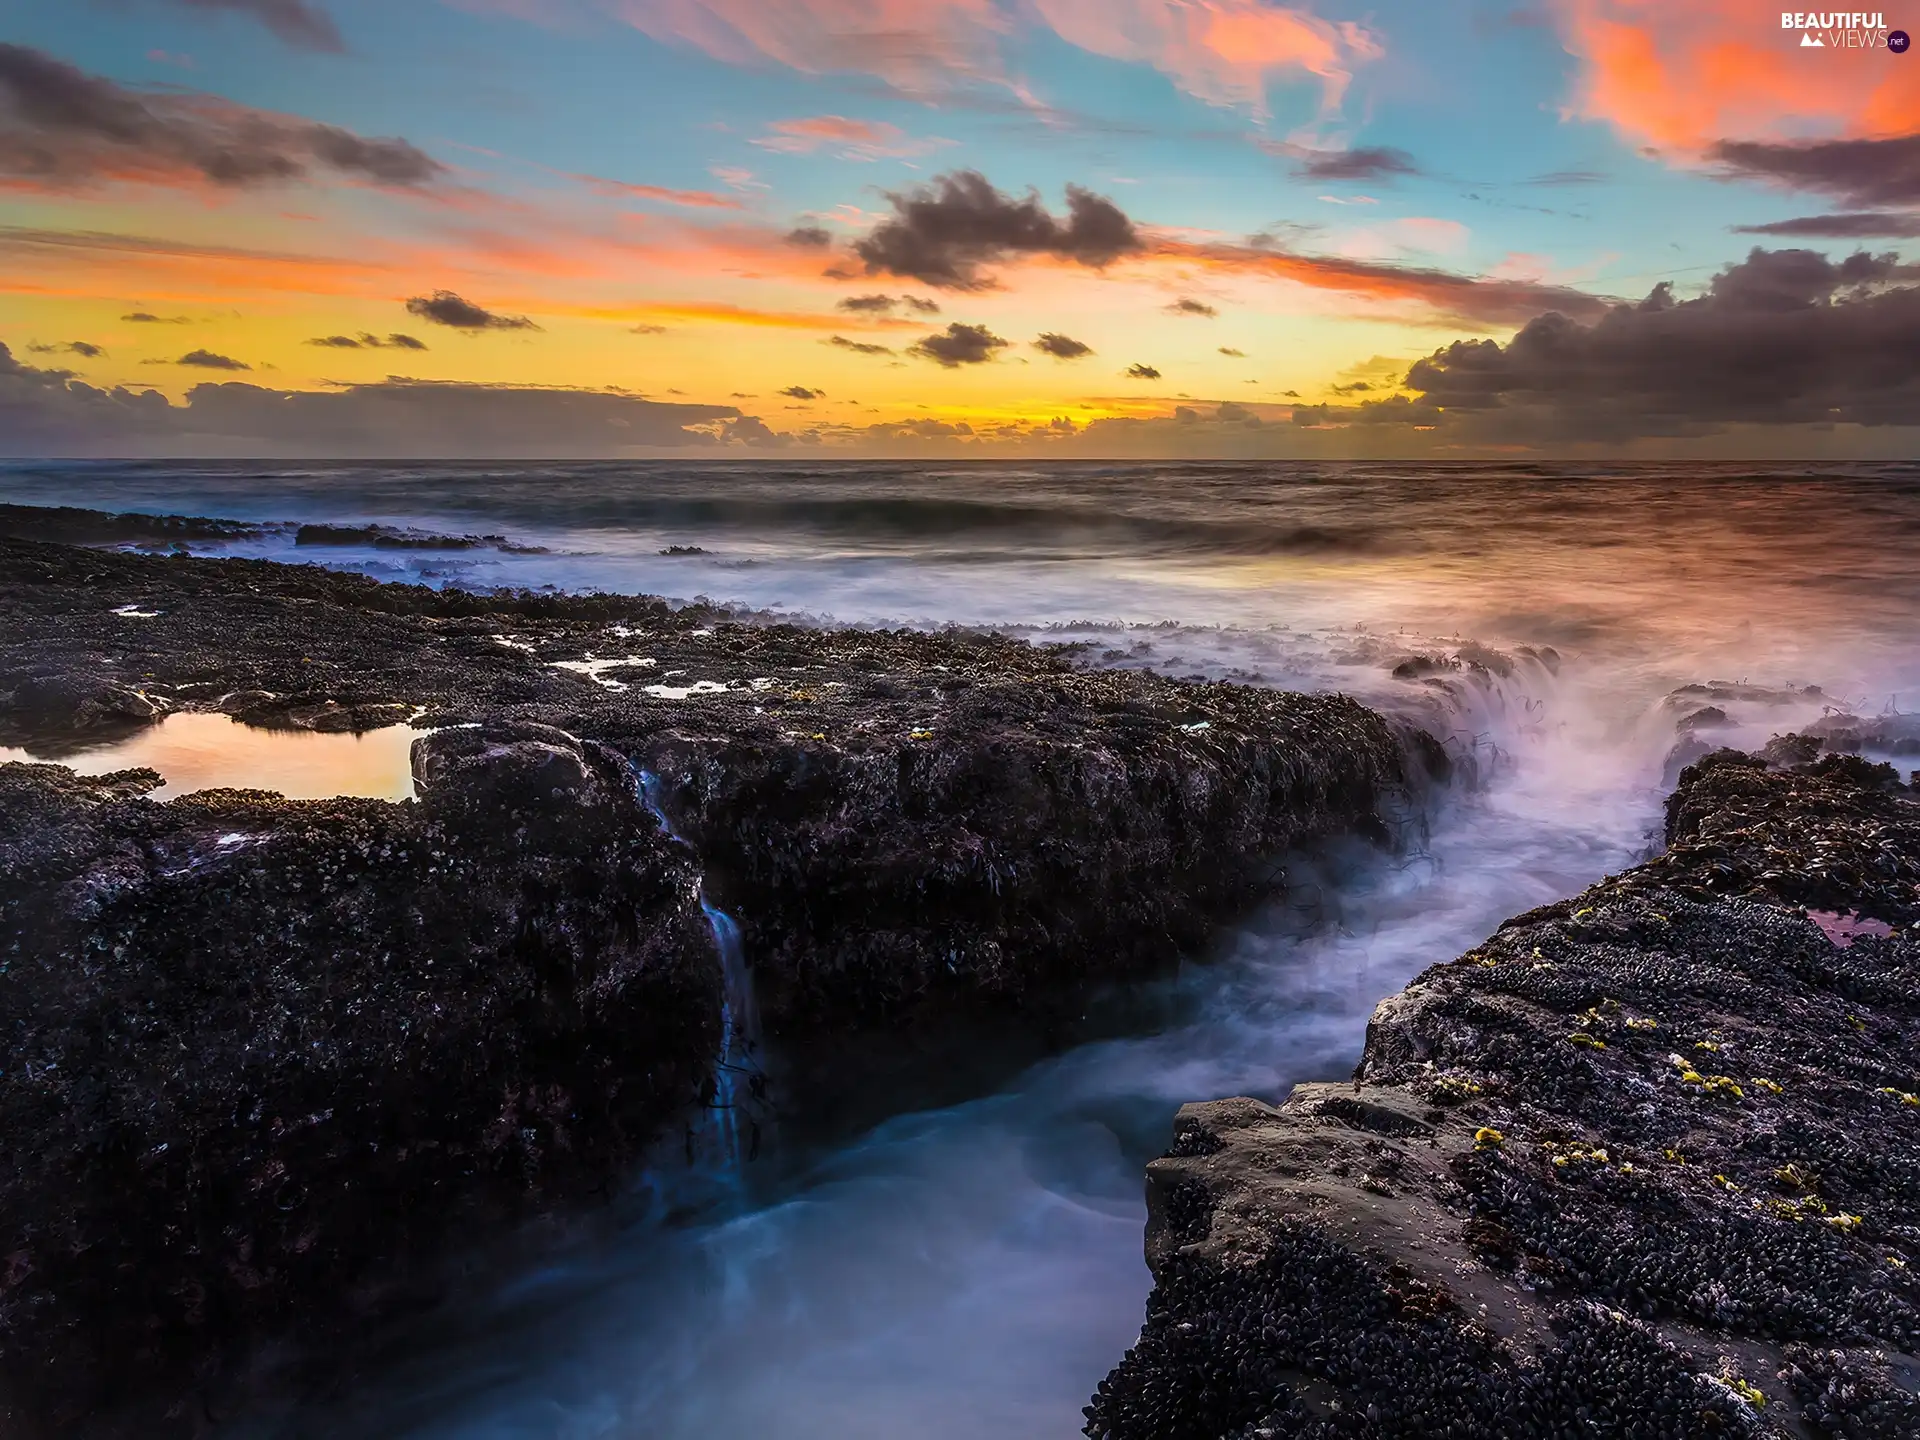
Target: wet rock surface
{"x": 261, "y": 1055}
{"x": 1645, "y": 1163}
{"x": 899, "y": 820}
{"x": 69, "y": 525}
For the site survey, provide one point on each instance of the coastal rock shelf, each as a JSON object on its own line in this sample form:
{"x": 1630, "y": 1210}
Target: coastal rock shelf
{"x": 1645, "y": 1163}
{"x": 265, "y": 1058}
{"x": 259, "y": 1051}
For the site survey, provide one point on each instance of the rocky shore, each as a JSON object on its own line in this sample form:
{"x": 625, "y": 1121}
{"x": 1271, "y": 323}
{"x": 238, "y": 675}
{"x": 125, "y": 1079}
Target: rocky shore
{"x": 264, "y": 1058}
{"x": 1644, "y": 1164}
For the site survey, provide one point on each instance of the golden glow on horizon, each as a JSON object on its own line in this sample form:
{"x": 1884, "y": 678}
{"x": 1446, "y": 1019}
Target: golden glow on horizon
{"x": 731, "y": 286}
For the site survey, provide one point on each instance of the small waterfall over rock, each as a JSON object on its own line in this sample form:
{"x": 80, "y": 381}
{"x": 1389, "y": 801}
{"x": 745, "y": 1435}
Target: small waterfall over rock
{"x": 737, "y": 1104}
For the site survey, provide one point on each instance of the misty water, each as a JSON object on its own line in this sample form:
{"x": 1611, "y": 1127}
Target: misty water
{"x": 963, "y": 1259}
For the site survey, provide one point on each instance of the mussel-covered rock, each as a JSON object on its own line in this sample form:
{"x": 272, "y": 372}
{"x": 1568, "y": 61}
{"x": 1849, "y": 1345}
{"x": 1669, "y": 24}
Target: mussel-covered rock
{"x": 1645, "y": 1162}
{"x": 262, "y": 1055}
{"x": 74, "y": 701}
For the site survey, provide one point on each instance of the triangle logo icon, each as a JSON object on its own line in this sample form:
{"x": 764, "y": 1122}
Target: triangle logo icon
{"x": 1810, "y": 42}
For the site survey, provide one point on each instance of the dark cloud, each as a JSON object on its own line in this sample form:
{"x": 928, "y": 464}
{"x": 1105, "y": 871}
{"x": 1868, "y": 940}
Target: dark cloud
{"x": 942, "y": 234}
{"x": 366, "y": 341}
{"x": 1863, "y": 173}
{"x": 1142, "y": 372}
{"x": 1568, "y": 177}
{"x": 1783, "y": 337}
{"x": 208, "y": 360}
{"x": 1475, "y": 298}
{"x": 1849, "y": 225}
{"x": 61, "y": 128}
{"x": 751, "y": 430}
{"x": 1232, "y": 414}
{"x": 958, "y": 345}
{"x": 1062, "y": 347}
{"x": 886, "y": 304}
{"x": 810, "y": 237}
{"x": 801, "y": 392}
{"x": 647, "y": 330}
{"x": 925, "y": 429}
{"x": 443, "y": 307}
{"x": 1285, "y": 235}
{"x": 1364, "y": 162}
{"x": 143, "y": 317}
{"x": 1236, "y": 354}
{"x": 71, "y": 347}
{"x": 46, "y": 412}
{"x": 1186, "y": 306}
{"x": 301, "y": 25}
{"x": 859, "y": 347}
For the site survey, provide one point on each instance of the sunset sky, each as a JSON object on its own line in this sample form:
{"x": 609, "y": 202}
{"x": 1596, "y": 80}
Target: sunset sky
{"x": 1069, "y": 227}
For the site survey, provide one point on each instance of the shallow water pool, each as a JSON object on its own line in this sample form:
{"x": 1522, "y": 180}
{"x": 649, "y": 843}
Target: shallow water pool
{"x": 194, "y": 751}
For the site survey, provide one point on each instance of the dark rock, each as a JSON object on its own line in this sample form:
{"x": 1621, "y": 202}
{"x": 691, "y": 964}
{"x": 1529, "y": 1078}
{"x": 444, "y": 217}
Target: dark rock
{"x": 901, "y": 821}
{"x": 1690, "y": 750}
{"x": 341, "y": 712}
{"x": 358, "y": 1027}
{"x": 76, "y": 702}
{"x": 1710, "y": 717}
{"x": 1644, "y": 1163}
{"x": 1039, "y": 830}
{"x": 1783, "y": 750}
{"x": 385, "y": 537}
{"x": 67, "y": 525}
{"x": 263, "y": 1056}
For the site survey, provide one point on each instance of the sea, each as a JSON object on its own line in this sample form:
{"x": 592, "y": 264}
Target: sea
{"x": 959, "y": 1256}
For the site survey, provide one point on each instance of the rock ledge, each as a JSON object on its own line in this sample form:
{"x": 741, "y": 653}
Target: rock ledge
{"x": 1646, "y": 1163}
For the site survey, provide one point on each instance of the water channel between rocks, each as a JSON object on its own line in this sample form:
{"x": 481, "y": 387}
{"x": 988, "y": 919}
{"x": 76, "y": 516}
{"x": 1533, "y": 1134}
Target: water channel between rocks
{"x": 970, "y": 1267}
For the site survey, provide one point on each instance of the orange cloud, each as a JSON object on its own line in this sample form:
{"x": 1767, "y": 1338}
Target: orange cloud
{"x": 1222, "y": 51}
{"x": 848, "y": 138}
{"x": 717, "y": 313}
{"x": 816, "y": 128}
{"x": 915, "y": 45}
{"x": 86, "y": 263}
{"x": 693, "y": 199}
{"x": 1443, "y": 294}
{"x": 1681, "y": 76}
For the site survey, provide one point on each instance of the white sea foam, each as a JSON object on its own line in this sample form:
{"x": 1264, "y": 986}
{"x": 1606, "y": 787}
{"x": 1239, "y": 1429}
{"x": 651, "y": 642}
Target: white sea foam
{"x": 972, "y": 1271}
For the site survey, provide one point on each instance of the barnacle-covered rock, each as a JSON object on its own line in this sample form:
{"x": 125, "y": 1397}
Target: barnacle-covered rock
{"x": 261, "y": 1054}
{"x": 269, "y": 1053}
{"x": 1702, "y": 1219}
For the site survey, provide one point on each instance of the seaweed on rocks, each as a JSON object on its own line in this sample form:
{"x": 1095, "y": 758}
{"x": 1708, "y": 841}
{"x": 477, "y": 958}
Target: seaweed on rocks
{"x": 1645, "y": 1163}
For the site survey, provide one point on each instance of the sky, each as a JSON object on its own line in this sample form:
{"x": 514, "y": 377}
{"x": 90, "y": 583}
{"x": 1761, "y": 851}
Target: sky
{"x": 957, "y": 227}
